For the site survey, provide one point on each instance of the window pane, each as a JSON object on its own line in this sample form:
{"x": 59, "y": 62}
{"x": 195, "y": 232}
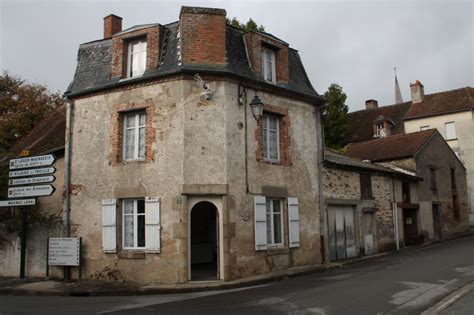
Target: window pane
{"x": 140, "y": 206}
{"x": 269, "y": 229}
{"x": 130, "y": 120}
{"x": 276, "y": 206}
{"x": 128, "y": 231}
{"x": 273, "y": 123}
{"x": 269, "y": 71}
{"x": 129, "y": 144}
{"x": 141, "y": 230}
{"x": 450, "y": 131}
{"x": 142, "y": 119}
{"x": 264, "y": 139}
{"x": 277, "y": 227}
{"x": 141, "y": 143}
{"x": 128, "y": 207}
{"x": 273, "y": 145}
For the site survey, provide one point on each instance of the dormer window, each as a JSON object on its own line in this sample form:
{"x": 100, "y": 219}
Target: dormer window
{"x": 136, "y": 58}
{"x": 378, "y": 127}
{"x": 268, "y": 64}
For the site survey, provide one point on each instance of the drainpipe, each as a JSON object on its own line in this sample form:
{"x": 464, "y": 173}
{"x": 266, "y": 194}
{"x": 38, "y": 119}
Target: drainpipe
{"x": 395, "y": 214}
{"x": 320, "y": 161}
{"x": 67, "y": 173}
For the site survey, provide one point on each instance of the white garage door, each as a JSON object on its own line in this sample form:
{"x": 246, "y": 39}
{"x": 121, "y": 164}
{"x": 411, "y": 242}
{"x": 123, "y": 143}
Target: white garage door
{"x": 341, "y": 232}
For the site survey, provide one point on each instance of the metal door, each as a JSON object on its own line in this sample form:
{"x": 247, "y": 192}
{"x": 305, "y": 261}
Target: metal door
{"x": 342, "y": 242}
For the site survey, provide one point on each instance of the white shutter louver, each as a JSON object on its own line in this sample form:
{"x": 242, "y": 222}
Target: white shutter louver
{"x": 293, "y": 222}
{"x": 109, "y": 225}
{"x": 152, "y": 224}
{"x": 260, "y": 215}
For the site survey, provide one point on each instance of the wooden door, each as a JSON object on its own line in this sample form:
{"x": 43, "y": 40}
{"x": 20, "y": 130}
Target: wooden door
{"x": 410, "y": 223}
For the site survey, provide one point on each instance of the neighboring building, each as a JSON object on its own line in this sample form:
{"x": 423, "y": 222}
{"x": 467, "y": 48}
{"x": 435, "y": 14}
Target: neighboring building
{"x": 47, "y": 137}
{"x": 442, "y": 194}
{"x": 360, "y": 201}
{"x": 174, "y": 180}
{"x": 450, "y": 112}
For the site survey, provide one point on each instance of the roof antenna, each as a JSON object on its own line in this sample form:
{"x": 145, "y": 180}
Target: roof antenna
{"x": 398, "y": 94}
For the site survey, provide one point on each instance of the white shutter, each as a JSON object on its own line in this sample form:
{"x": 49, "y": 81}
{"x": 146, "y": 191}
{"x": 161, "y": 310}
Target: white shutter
{"x": 260, "y": 215}
{"x": 109, "y": 225}
{"x": 152, "y": 224}
{"x": 293, "y": 222}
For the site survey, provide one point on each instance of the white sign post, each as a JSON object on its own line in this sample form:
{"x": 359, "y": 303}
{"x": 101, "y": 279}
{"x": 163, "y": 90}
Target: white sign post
{"x": 30, "y": 191}
{"x": 31, "y": 180}
{"x": 63, "y": 251}
{"x": 32, "y": 172}
{"x": 17, "y": 203}
{"x": 33, "y": 161}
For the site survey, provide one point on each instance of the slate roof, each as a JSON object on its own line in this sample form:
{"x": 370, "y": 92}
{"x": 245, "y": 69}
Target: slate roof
{"x": 93, "y": 70}
{"x": 48, "y": 136}
{"x": 333, "y": 159}
{"x": 362, "y": 128}
{"x": 391, "y": 148}
{"x": 443, "y": 103}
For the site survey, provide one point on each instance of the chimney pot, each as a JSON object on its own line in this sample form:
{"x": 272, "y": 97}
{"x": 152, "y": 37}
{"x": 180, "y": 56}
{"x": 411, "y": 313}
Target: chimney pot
{"x": 417, "y": 92}
{"x": 112, "y": 25}
{"x": 371, "y": 104}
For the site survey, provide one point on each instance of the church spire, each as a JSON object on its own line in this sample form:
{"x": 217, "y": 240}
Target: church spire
{"x": 398, "y": 94}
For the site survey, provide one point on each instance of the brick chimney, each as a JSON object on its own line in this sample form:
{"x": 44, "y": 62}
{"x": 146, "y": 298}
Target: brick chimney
{"x": 112, "y": 25}
{"x": 203, "y": 35}
{"x": 417, "y": 92}
{"x": 371, "y": 104}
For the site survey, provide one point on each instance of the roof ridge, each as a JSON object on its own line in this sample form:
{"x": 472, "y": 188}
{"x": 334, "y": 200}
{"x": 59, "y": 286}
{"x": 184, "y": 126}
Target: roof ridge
{"x": 385, "y": 106}
{"x": 432, "y": 130}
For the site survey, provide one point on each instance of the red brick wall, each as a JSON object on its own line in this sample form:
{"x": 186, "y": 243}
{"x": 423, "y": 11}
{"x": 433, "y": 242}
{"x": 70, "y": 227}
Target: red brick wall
{"x": 116, "y": 153}
{"x": 153, "y": 36}
{"x": 253, "y": 42}
{"x": 203, "y": 36}
{"x": 112, "y": 25}
{"x": 285, "y": 138}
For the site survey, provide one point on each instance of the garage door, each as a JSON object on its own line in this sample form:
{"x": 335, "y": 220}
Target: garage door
{"x": 342, "y": 243}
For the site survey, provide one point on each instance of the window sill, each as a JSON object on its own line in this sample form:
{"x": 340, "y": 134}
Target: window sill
{"x": 276, "y": 249}
{"x": 453, "y": 139}
{"x": 132, "y": 254}
{"x": 278, "y": 163}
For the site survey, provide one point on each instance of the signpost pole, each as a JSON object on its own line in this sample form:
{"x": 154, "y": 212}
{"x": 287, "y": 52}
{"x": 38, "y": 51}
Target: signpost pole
{"x": 24, "y": 217}
{"x": 47, "y": 259}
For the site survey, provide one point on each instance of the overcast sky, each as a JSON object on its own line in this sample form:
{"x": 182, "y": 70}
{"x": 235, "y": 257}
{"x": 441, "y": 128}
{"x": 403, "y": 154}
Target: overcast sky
{"x": 353, "y": 43}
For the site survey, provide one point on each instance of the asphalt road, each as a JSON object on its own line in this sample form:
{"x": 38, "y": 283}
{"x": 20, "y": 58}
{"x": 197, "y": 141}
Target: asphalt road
{"x": 400, "y": 283}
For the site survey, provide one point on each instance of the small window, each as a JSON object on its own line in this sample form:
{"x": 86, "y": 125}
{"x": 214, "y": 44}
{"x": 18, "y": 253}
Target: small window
{"x": 450, "y": 130}
{"x": 365, "y": 186}
{"x": 136, "y": 62}
{"x": 268, "y": 65}
{"x": 406, "y": 192}
{"x": 433, "y": 179}
{"x": 378, "y": 127}
{"x": 271, "y": 137}
{"x": 423, "y": 128}
{"x": 453, "y": 178}
{"x": 274, "y": 222}
{"x": 134, "y": 135}
{"x": 133, "y": 224}
{"x": 456, "y": 208}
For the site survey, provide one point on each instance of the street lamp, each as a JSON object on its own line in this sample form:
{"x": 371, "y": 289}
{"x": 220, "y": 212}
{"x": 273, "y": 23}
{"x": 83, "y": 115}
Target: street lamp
{"x": 256, "y": 106}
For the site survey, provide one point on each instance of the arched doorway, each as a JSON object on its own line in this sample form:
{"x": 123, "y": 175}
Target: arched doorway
{"x": 204, "y": 241}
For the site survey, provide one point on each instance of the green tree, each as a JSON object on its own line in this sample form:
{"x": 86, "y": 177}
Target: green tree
{"x": 335, "y": 120}
{"x": 247, "y": 27}
{"x": 22, "y": 105}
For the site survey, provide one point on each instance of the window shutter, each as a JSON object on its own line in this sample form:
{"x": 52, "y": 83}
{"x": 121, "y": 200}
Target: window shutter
{"x": 152, "y": 224}
{"x": 109, "y": 225}
{"x": 293, "y": 222}
{"x": 260, "y": 223}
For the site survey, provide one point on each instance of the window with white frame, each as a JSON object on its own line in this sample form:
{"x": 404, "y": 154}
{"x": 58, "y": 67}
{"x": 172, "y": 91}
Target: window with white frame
{"x": 274, "y": 222}
{"x": 450, "y": 130}
{"x": 378, "y": 128}
{"x": 271, "y": 137}
{"x": 423, "y": 128}
{"x": 134, "y": 135}
{"x": 133, "y": 223}
{"x": 268, "y": 64}
{"x": 136, "y": 63}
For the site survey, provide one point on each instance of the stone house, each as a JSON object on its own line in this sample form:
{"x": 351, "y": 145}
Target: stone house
{"x": 442, "y": 195}
{"x": 450, "y": 112}
{"x": 47, "y": 137}
{"x": 363, "y": 205}
{"x": 173, "y": 179}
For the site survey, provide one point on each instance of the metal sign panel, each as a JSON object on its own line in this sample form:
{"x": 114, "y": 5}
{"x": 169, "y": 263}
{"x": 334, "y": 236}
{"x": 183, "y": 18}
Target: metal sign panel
{"x": 17, "y": 203}
{"x": 33, "y": 172}
{"x": 31, "y": 180}
{"x": 30, "y": 191}
{"x": 64, "y": 251}
{"x": 32, "y": 161}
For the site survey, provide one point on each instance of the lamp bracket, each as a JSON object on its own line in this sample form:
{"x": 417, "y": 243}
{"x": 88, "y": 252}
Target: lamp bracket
{"x": 242, "y": 90}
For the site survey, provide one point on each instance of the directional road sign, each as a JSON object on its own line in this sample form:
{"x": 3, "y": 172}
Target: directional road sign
{"x": 16, "y": 203}
{"x": 30, "y": 191}
{"x": 32, "y": 161}
{"x": 31, "y": 180}
{"x": 32, "y": 172}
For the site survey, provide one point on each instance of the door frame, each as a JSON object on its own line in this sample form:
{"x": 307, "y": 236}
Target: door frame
{"x": 219, "y": 204}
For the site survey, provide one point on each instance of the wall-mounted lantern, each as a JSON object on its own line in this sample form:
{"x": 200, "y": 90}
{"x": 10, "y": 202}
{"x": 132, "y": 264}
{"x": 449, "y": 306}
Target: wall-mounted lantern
{"x": 256, "y": 104}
